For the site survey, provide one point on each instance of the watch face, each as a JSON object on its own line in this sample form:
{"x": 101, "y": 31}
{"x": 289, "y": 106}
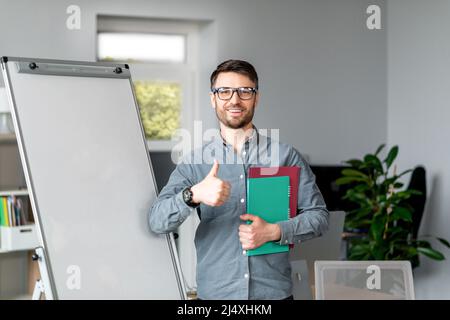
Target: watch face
{"x": 187, "y": 195}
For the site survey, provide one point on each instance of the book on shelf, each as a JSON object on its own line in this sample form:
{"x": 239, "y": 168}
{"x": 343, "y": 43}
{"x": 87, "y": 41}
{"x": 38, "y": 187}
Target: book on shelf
{"x": 12, "y": 212}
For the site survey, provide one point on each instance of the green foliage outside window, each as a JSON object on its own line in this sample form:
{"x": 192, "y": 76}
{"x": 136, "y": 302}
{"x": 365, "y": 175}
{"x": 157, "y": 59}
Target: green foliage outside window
{"x": 160, "y": 105}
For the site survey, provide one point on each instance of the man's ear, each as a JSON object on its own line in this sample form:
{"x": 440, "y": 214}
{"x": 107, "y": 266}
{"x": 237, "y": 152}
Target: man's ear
{"x": 256, "y": 99}
{"x": 213, "y": 100}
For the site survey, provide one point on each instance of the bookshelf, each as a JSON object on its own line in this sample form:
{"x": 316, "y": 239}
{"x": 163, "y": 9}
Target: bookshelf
{"x": 8, "y": 138}
{"x": 18, "y": 273}
{"x": 20, "y": 192}
{"x": 20, "y": 237}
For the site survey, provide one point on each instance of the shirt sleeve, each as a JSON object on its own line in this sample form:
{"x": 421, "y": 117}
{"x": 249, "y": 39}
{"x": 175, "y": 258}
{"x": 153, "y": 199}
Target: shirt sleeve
{"x": 169, "y": 210}
{"x": 312, "y": 218}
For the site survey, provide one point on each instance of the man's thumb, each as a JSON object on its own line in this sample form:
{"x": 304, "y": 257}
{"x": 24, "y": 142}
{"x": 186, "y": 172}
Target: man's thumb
{"x": 214, "y": 169}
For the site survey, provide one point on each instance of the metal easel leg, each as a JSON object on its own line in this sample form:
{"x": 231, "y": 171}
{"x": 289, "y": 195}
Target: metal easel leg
{"x": 38, "y": 290}
{"x": 42, "y": 285}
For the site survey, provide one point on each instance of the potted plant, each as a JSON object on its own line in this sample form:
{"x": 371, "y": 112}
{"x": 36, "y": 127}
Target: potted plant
{"x": 382, "y": 218}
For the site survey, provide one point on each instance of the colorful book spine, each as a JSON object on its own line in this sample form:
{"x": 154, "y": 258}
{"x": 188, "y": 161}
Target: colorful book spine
{"x": 5, "y": 211}
{"x": 12, "y": 212}
{"x": 2, "y": 216}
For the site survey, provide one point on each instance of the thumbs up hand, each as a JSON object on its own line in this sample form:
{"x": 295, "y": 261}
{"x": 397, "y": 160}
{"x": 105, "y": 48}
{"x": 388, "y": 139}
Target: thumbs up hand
{"x": 211, "y": 191}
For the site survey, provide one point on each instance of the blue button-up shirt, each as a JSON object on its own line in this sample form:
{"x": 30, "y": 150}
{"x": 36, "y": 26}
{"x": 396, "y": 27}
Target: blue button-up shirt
{"x": 224, "y": 271}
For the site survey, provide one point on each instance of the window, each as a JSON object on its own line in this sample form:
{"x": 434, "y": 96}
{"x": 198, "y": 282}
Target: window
{"x": 141, "y": 47}
{"x": 162, "y": 55}
{"x": 159, "y": 104}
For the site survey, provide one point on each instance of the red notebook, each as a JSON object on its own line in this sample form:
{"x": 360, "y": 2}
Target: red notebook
{"x": 294, "y": 175}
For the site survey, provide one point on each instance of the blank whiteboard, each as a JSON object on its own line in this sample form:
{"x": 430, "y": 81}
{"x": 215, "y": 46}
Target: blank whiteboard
{"x": 90, "y": 180}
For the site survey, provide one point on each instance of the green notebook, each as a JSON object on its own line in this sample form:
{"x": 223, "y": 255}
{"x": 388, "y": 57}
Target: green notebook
{"x": 268, "y": 198}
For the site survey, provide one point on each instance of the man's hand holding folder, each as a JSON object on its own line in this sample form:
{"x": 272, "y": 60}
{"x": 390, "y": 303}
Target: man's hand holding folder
{"x": 271, "y": 198}
{"x": 258, "y": 232}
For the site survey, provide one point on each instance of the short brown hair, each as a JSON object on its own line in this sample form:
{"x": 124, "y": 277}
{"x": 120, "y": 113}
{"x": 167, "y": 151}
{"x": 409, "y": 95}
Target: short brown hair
{"x": 238, "y": 66}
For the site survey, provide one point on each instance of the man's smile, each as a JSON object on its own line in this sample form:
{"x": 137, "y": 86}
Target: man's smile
{"x": 235, "y": 112}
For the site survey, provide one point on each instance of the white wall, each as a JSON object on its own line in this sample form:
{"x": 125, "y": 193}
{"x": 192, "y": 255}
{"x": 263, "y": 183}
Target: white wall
{"x": 322, "y": 72}
{"x": 418, "y": 118}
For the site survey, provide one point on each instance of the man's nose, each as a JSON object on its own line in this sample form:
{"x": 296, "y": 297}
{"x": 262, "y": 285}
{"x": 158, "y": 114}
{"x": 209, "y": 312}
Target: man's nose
{"x": 235, "y": 98}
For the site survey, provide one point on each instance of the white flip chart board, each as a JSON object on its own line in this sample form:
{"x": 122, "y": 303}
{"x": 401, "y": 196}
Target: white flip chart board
{"x": 90, "y": 180}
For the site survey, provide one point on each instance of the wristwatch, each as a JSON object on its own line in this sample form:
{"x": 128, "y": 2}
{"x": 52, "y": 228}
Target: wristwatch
{"x": 187, "y": 197}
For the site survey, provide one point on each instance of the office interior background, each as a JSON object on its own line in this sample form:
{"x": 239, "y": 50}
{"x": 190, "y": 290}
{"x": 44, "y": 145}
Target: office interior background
{"x": 334, "y": 88}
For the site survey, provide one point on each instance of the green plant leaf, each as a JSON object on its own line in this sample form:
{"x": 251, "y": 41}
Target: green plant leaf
{"x": 361, "y": 188}
{"x": 400, "y": 213}
{"x": 403, "y": 173}
{"x": 356, "y": 197}
{"x": 349, "y": 179}
{"x": 422, "y": 243}
{"x": 359, "y": 251}
{"x": 377, "y": 227}
{"x": 391, "y": 156}
{"x": 354, "y": 162}
{"x": 398, "y": 185}
{"x": 358, "y": 256}
{"x": 399, "y": 234}
{"x": 353, "y": 172}
{"x": 405, "y": 252}
{"x": 373, "y": 162}
{"x": 379, "y": 251}
{"x": 444, "y": 242}
{"x": 431, "y": 253}
{"x": 379, "y": 149}
{"x": 401, "y": 195}
{"x": 360, "y": 248}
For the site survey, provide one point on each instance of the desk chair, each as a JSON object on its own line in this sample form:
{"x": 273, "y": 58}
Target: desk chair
{"x": 363, "y": 280}
{"x": 416, "y": 203}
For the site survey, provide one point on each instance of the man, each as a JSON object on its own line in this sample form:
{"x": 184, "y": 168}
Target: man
{"x": 218, "y": 192}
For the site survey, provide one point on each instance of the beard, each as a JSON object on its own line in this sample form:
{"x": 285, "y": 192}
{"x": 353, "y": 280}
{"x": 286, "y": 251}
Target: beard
{"x": 235, "y": 122}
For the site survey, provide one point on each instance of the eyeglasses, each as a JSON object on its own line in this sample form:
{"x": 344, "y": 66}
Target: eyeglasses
{"x": 225, "y": 93}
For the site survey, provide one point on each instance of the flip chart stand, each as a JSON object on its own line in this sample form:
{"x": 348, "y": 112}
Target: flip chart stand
{"x": 42, "y": 285}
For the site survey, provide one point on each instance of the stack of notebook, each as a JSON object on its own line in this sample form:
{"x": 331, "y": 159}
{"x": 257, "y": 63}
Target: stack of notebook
{"x": 272, "y": 194}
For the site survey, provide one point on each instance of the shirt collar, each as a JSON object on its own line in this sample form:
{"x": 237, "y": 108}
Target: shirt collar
{"x": 255, "y": 134}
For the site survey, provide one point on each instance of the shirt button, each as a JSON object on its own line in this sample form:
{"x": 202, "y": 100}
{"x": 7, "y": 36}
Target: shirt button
{"x": 286, "y": 241}
{"x": 244, "y": 252}
{"x": 246, "y": 275}
{"x": 244, "y": 153}
{"x": 241, "y": 176}
{"x": 242, "y": 200}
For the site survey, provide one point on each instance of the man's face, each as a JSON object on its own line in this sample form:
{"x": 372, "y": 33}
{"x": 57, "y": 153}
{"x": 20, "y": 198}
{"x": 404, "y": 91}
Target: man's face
{"x": 234, "y": 113}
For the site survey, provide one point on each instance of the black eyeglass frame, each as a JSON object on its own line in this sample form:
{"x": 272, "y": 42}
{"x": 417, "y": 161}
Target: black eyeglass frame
{"x": 216, "y": 90}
